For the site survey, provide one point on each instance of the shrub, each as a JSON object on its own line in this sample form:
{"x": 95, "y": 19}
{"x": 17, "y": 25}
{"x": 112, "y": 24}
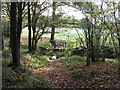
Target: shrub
{"x": 76, "y": 57}
{"x": 42, "y": 58}
{"x": 24, "y": 45}
{"x": 62, "y": 57}
{"x": 39, "y": 61}
{"x": 17, "y": 79}
{"x": 33, "y": 81}
{"x": 79, "y": 51}
{"x": 45, "y": 48}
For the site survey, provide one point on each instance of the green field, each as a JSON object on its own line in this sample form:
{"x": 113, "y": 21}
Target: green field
{"x": 61, "y": 33}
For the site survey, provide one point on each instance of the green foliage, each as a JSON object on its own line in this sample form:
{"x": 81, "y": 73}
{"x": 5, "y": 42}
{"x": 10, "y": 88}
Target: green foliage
{"x": 22, "y": 77}
{"x": 23, "y": 80}
{"x": 6, "y": 50}
{"x": 73, "y": 61}
{"x": 62, "y": 58}
{"x": 66, "y": 51}
{"x": 38, "y": 61}
{"x": 69, "y": 48}
{"x": 24, "y": 32}
{"x": 42, "y": 58}
{"x": 76, "y": 57}
{"x": 45, "y": 48}
{"x": 46, "y": 45}
{"x": 69, "y": 22}
{"x": 28, "y": 56}
{"x": 62, "y": 33}
{"x": 35, "y": 60}
{"x": 35, "y": 81}
{"x": 114, "y": 61}
{"x": 6, "y": 55}
{"x": 24, "y": 45}
{"x": 5, "y": 28}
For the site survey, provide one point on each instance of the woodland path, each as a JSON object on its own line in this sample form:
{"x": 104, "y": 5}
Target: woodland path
{"x": 62, "y": 78}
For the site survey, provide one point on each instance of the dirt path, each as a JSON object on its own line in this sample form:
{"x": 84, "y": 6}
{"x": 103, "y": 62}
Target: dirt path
{"x": 60, "y": 77}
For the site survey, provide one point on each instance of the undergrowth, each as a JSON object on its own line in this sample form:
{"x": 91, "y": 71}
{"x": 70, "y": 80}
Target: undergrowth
{"x": 79, "y": 73}
{"x": 23, "y": 77}
{"x": 72, "y": 61}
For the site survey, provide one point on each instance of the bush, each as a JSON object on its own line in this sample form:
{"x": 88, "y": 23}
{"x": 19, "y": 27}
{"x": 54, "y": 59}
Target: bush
{"x": 79, "y": 51}
{"x": 45, "y": 48}
{"x": 76, "y": 57}
{"x": 42, "y": 58}
{"x": 24, "y": 45}
{"x": 23, "y": 76}
{"x": 61, "y": 54}
{"x": 62, "y": 57}
{"x": 33, "y": 81}
{"x": 17, "y": 79}
{"x": 39, "y": 61}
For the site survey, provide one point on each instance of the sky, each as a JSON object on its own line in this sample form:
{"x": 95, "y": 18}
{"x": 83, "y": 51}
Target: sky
{"x": 70, "y": 11}
{"x": 67, "y": 11}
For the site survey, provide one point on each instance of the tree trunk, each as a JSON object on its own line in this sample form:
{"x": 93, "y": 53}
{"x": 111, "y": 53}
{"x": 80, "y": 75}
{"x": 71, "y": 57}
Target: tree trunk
{"x": 92, "y": 43}
{"x": 103, "y": 56}
{"x": 119, "y": 59}
{"x": 33, "y": 39}
{"x": 14, "y": 42}
{"x": 52, "y": 39}
{"x": 19, "y": 29}
{"x": 92, "y": 52}
{"x": 35, "y": 45}
{"x": 88, "y": 59}
{"x": 1, "y": 36}
{"x": 2, "y": 41}
{"x": 29, "y": 28}
{"x": 88, "y": 47}
{"x": 88, "y": 52}
{"x": 119, "y": 42}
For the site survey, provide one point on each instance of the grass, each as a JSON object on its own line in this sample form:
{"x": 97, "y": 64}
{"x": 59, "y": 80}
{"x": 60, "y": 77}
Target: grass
{"x": 36, "y": 60}
{"x": 24, "y": 32}
{"x": 114, "y": 61}
{"x": 64, "y": 33}
{"x": 38, "y": 56}
{"x": 39, "y": 61}
{"x": 20, "y": 79}
{"x": 68, "y": 34}
{"x": 23, "y": 76}
{"x": 73, "y": 61}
